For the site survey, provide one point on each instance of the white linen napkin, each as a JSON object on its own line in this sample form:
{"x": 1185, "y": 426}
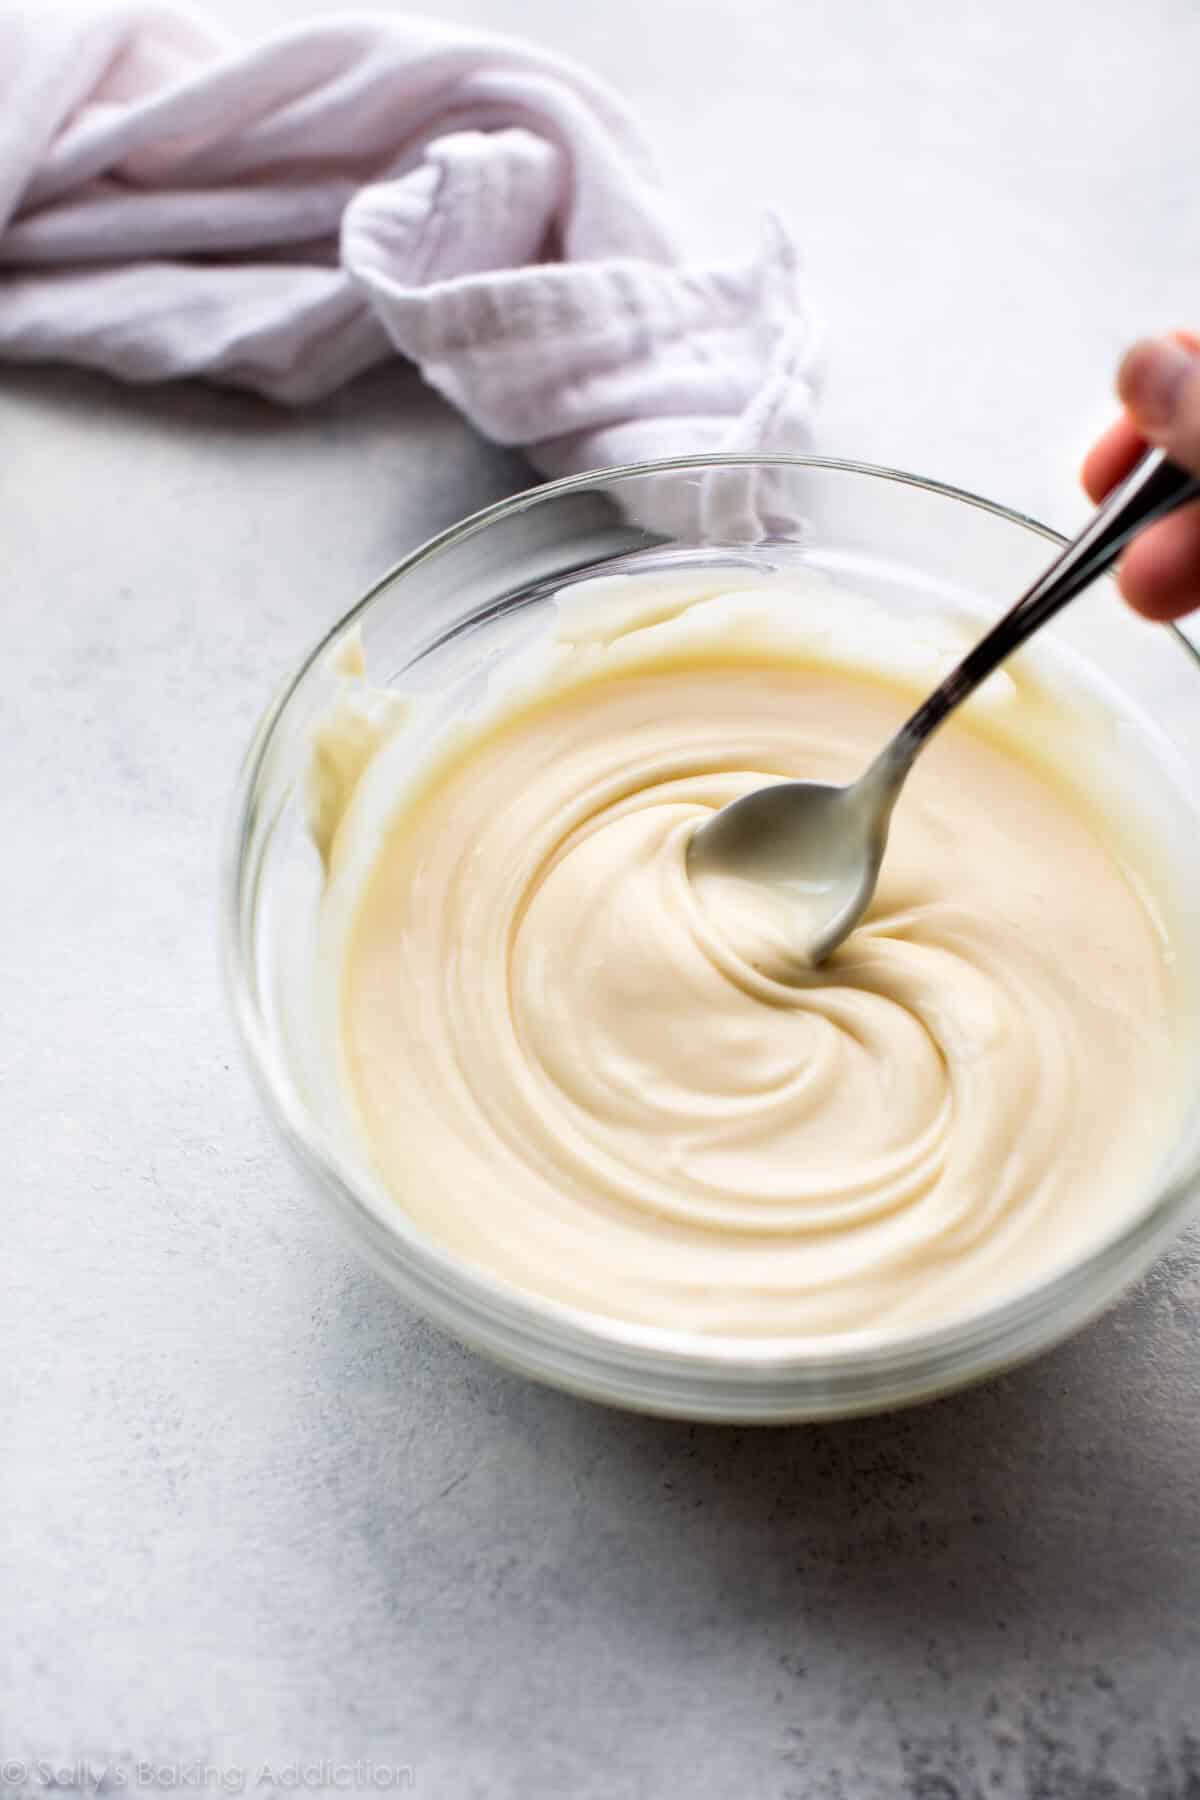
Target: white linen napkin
{"x": 283, "y": 215}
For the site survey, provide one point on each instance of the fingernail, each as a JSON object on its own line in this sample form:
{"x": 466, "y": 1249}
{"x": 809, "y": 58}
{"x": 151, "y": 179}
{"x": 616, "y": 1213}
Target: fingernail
{"x": 1152, "y": 378}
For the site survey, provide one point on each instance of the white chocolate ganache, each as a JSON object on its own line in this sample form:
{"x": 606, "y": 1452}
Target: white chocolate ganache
{"x": 564, "y": 1069}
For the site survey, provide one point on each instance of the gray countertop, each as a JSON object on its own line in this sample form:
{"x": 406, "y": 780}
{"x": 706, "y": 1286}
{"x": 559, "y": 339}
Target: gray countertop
{"x": 255, "y": 1512}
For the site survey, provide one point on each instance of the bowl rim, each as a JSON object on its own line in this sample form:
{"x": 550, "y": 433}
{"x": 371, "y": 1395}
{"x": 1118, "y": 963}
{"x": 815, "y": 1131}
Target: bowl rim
{"x": 442, "y": 1283}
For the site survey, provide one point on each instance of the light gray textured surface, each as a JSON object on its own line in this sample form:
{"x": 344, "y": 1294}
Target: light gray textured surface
{"x": 254, "y": 1511}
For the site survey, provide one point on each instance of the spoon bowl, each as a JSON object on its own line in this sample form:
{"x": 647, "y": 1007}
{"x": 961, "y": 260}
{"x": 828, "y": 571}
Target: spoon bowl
{"x": 804, "y": 855}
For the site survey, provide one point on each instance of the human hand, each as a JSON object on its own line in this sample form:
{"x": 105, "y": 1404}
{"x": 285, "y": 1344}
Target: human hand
{"x": 1159, "y": 385}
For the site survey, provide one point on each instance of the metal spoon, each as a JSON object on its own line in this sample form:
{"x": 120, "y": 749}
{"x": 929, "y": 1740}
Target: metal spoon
{"x": 816, "y": 850}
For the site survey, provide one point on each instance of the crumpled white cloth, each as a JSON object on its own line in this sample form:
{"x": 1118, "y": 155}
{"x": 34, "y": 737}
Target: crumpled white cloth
{"x": 283, "y": 215}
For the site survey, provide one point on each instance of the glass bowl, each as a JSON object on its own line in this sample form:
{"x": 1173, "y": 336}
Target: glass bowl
{"x": 435, "y": 621}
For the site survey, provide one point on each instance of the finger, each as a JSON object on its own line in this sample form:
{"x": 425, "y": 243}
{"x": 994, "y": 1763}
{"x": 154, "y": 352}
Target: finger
{"x": 1159, "y": 383}
{"x": 1159, "y": 574}
{"x": 1110, "y": 458}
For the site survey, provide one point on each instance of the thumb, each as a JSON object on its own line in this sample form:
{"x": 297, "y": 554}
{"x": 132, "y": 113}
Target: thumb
{"x": 1159, "y": 384}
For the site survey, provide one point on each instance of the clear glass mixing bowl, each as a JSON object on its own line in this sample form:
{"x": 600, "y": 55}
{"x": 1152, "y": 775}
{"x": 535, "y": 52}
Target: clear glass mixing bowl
{"x": 434, "y": 621}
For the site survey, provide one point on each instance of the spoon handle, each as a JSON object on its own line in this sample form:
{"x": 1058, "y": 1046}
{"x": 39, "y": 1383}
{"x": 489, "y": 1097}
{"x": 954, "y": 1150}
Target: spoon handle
{"x": 1156, "y": 486}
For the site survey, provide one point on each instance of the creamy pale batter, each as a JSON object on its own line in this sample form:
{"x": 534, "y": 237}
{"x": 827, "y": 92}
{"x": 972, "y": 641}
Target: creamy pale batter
{"x": 564, "y": 1070}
